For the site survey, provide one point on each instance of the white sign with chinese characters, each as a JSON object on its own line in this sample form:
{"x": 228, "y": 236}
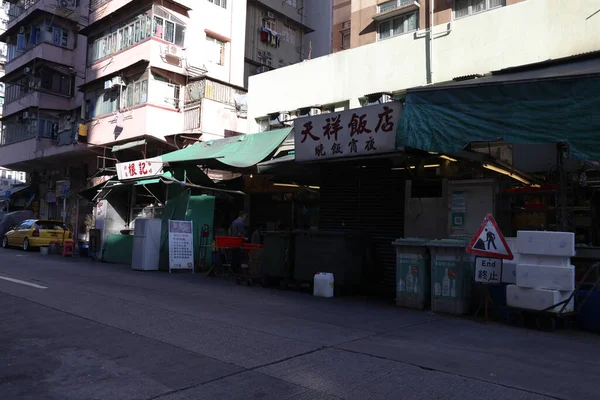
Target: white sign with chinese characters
{"x": 140, "y": 169}
{"x": 181, "y": 245}
{"x": 350, "y": 133}
{"x": 488, "y": 270}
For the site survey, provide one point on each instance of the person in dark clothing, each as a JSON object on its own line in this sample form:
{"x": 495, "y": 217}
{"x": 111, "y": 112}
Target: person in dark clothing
{"x": 238, "y": 226}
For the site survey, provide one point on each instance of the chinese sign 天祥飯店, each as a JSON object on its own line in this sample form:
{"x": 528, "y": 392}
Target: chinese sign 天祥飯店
{"x": 357, "y": 132}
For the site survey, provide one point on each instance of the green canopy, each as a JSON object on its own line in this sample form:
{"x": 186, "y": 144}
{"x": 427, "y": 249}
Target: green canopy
{"x": 240, "y": 151}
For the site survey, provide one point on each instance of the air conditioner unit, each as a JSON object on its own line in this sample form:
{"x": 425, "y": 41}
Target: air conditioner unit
{"x": 268, "y": 15}
{"x": 173, "y": 51}
{"x": 117, "y": 81}
{"x": 315, "y": 111}
{"x": 285, "y": 117}
{"x": 108, "y": 85}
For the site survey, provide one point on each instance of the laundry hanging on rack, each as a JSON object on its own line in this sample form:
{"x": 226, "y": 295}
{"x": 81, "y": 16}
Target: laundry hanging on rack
{"x": 272, "y": 38}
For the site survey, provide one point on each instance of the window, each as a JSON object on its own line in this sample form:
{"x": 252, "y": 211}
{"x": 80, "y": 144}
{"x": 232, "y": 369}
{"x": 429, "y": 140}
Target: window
{"x": 398, "y": 26}
{"x": 216, "y": 50}
{"x": 345, "y": 40}
{"x": 220, "y": 3}
{"x": 464, "y": 8}
{"x": 270, "y": 24}
{"x": 54, "y": 82}
{"x": 292, "y": 3}
{"x": 120, "y": 37}
{"x": 289, "y": 34}
{"x": 390, "y": 5}
{"x": 168, "y": 28}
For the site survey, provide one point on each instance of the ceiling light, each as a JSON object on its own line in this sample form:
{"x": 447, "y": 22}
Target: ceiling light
{"x": 448, "y": 158}
{"x": 507, "y": 173}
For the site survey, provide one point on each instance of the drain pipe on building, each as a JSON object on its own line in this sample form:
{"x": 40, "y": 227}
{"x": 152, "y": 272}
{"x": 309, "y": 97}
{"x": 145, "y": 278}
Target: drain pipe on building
{"x": 431, "y": 8}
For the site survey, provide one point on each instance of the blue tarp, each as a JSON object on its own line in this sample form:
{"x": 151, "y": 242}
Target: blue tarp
{"x": 545, "y": 111}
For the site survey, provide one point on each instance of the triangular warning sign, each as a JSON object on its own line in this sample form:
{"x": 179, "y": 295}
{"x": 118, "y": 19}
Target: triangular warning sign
{"x": 489, "y": 241}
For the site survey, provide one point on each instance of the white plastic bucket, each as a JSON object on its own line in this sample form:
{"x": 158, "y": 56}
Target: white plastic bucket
{"x": 323, "y": 285}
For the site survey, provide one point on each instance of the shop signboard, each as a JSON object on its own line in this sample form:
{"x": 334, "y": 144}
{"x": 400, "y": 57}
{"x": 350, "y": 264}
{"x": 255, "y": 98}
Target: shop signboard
{"x": 358, "y": 132}
{"x": 140, "y": 169}
{"x": 181, "y": 245}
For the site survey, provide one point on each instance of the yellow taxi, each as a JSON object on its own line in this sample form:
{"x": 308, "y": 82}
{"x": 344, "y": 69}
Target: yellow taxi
{"x": 36, "y": 233}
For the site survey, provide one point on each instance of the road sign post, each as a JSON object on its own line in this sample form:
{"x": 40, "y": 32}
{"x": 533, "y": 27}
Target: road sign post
{"x": 491, "y": 247}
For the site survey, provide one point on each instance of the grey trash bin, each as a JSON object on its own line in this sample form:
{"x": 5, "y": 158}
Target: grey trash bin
{"x": 451, "y": 276}
{"x": 413, "y": 273}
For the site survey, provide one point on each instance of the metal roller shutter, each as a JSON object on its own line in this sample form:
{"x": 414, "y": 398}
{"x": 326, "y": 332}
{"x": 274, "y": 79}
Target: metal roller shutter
{"x": 369, "y": 199}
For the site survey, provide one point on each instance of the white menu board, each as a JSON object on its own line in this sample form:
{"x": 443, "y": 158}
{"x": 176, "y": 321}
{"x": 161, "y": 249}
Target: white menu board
{"x": 181, "y": 245}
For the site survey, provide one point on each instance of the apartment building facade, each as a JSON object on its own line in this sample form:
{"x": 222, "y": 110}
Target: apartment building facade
{"x": 468, "y": 38}
{"x": 86, "y": 76}
{"x": 285, "y": 32}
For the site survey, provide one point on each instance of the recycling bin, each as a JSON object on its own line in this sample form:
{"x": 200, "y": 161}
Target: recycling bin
{"x": 278, "y": 255}
{"x": 413, "y": 273}
{"x": 451, "y": 276}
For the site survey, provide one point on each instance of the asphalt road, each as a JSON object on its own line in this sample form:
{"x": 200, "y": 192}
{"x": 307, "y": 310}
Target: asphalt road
{"x": 78, "y": 330}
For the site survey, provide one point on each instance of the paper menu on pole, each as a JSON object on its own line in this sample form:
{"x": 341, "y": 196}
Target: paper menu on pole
{"x": 181, "y": 245}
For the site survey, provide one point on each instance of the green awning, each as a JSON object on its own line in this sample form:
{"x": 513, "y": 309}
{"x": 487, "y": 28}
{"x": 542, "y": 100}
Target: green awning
{"x": 129, "y": 145}
{"x": 240, "y": 151}
{"x": 166, "y": 175}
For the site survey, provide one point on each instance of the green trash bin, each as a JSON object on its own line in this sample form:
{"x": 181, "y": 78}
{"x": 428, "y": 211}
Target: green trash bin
{"x": 278, "y": 255}
{"x": 451, "y": 276}
{"x": 413, "y": 274}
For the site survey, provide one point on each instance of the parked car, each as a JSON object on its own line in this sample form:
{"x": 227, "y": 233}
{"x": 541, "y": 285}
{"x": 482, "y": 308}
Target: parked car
{"x": 34, "y": 233}
{"x": 13, "y": 219}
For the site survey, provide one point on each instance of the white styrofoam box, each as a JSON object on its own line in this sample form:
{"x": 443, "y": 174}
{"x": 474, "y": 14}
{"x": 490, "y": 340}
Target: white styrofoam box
{"x": 560, "y": 244}
{"x": 509, "y": 272}
{"x": 323, "y": 285}
{"x": 537, "y": 299}
{"x": 549, "y": 261}
{"x": 543, "y": 277}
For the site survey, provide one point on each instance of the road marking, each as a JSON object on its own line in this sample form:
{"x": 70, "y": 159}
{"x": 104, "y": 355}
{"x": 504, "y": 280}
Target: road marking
{"x": 22, "y": 282}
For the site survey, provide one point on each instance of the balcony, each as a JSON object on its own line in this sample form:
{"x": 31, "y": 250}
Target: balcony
{"x": 45, "y": 51}
{"x": 38, "y": 99}
{"x": 21, "y": 9}
{"x": 157, "y": 52}
{"x": 147, "y": 119}
{"x": 102, "y": 8}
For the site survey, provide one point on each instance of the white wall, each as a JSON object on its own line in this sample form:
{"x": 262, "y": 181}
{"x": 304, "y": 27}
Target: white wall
{"x": 227, "y": 22}
{"x": 527, "y": 32}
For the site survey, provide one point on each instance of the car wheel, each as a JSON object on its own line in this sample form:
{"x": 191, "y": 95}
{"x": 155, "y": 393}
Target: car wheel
{"x": 26, "y": 244}
{"x": 5, "y": 242}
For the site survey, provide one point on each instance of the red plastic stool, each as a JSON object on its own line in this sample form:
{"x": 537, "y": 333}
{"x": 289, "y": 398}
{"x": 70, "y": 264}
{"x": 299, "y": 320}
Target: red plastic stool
{"x": 68, "y": 249}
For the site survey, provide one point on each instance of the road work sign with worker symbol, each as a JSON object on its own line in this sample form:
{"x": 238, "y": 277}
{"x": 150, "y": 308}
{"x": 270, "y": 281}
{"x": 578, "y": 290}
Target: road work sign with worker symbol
{"x": 489, "y": 241}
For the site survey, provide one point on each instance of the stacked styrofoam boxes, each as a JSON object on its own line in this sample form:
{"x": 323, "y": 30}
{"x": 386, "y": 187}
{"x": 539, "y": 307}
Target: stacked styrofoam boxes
{"x": 544, "y": 274}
